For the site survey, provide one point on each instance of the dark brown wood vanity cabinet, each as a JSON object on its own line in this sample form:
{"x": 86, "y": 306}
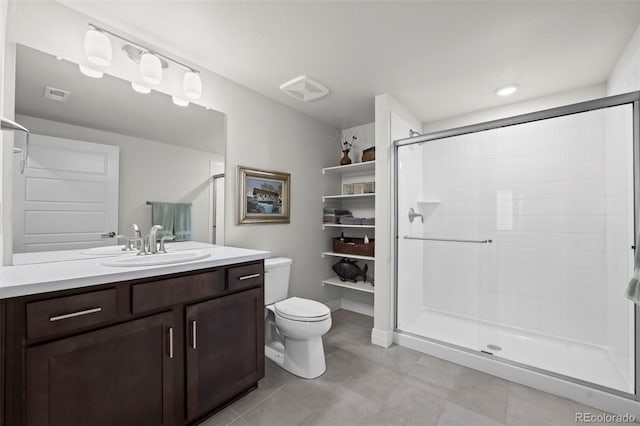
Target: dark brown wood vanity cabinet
{"x": 167, "y": 350}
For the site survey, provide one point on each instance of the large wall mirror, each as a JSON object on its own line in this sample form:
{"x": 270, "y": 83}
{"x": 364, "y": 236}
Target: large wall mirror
{"x": 100, "y": 152}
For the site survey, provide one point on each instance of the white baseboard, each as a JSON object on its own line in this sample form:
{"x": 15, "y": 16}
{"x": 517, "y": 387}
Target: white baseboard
{"x": 357, "y": 307}
{"x": 350, "y": 305}
{"x": 382, "y": 338}
{"x": 334, "y": 304}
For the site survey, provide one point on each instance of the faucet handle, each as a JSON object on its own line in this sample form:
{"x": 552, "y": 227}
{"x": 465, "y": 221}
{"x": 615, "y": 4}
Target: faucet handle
{"x": 127, "y": 244}
{"x": 136, "y": 230}
{"x": 163, "y": 239}
{"x": 143, "y": 246}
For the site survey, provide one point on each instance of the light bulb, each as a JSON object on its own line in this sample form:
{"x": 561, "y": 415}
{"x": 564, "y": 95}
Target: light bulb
{"x": 192, "y": 85}
{"x": 97, "y": 47}
{"x": 140, "y": 88}
{"x": 150, "y": 68}
{"x": 90, "y": 72}
{"x": 180, "y": 102}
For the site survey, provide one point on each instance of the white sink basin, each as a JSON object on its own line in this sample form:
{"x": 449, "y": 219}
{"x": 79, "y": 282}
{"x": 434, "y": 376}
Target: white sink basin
{"x": 112, "y": 251}
{"x": 156, "y": 259}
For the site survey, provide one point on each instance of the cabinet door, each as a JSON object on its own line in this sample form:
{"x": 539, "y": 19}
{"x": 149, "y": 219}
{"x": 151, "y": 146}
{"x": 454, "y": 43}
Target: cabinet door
{"x": 120, "y": 375}
{"x": 225, "y": 349}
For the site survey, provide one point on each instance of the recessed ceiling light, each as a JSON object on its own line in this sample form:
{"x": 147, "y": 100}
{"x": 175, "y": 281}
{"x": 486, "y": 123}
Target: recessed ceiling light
{"x": 506, "y": 90}
{"x": 90, "y": 72}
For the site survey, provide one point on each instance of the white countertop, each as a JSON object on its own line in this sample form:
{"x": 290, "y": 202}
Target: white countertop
{"x": 43, "y": 272}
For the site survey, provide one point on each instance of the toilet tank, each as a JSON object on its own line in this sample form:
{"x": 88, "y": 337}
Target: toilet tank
{"x": 276, "y": 279}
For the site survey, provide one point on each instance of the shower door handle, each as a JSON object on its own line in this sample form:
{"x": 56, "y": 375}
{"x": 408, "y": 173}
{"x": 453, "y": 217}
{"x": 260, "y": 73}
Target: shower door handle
{"x": 406, "y": 237}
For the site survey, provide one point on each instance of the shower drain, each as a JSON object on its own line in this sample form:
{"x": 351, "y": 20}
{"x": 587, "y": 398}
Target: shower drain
{"x": 494, "y": 348}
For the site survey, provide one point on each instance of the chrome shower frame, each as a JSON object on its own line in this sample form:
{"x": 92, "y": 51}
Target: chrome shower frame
{"x": 632, "y": 98}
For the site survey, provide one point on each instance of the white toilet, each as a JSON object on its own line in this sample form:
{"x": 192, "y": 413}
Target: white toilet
{"x": 293, "y": 326}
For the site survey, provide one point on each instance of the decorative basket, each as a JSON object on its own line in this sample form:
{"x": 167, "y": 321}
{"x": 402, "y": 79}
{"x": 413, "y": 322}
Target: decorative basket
{"x": 354, "y": 246}
{"x": 369, "y": 154}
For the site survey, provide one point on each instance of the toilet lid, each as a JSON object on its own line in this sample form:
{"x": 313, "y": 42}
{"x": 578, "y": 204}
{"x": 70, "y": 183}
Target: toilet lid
{"x": 298, "y": 309}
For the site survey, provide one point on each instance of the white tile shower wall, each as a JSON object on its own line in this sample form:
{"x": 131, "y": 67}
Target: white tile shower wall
{"x": 540, "y": 192}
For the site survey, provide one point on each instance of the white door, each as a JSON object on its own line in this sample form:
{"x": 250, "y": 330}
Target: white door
{"x": 67, "y": 197}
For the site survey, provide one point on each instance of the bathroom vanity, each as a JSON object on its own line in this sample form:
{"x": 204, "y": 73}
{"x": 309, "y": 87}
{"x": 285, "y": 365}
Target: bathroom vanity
{"x": 152, "y": 346}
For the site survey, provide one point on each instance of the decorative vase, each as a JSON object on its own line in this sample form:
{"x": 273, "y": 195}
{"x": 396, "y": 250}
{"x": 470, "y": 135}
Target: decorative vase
{"x": 345, "y": 158}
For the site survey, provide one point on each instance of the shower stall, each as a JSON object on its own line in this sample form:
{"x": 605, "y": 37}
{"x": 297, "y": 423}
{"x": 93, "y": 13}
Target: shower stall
{"x": 515, "y": 240}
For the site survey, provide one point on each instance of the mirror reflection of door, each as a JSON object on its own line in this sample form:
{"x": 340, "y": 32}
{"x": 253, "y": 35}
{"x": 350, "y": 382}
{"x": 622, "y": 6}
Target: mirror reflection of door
{"x": 66, "y": 195}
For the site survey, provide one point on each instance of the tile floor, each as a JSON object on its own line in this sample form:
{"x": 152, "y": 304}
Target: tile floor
{"x": 368, "y": 385}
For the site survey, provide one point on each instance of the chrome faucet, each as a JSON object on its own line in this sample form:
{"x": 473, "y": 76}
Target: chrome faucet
{"x": 163, "y": 249}
{"x": 136, "y": 231}
{"x": 153, "y": 235}
{"x": 413, "y": 215}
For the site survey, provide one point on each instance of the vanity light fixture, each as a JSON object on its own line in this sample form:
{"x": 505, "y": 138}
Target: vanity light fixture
{"x": 97, "y": 47}
{"x": 180, "y": 102}
{"x": 90, "y": 72}
{"x": 140, "y": 88}
{"x": 506, "y": 90}
{"x": 150, "y": 68}
{"x": 192, "y": 85}
{"x": 151, "y": 63}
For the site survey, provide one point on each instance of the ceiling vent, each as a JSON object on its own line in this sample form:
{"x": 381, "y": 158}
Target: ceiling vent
{"x": 304, "y": 89}
{"x": 54, "y": 94}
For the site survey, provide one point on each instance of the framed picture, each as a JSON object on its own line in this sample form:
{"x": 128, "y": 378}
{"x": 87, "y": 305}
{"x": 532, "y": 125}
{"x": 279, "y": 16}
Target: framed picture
{"x": 263, "y": 196}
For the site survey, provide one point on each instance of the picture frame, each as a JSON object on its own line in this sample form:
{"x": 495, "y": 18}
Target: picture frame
{"x": 263, "y": 196}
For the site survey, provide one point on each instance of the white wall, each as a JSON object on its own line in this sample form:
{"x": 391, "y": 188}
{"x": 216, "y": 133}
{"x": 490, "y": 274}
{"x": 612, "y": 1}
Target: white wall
{"x": 517, "y": 108}
{"x": 625, "y": 76}
{"x": 146, "y": 173}
{"x": 366, "y": 135}
{"x": 385, "y": 132}
{"x": 260, "y": 133}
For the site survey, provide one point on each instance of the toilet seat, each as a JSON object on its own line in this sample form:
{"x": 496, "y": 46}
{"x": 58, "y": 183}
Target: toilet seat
{"x": 303, "y": 310}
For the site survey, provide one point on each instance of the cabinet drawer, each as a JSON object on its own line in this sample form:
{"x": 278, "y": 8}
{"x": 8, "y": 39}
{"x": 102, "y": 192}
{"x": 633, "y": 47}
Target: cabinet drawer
{"x": 174, "y": 291}
{"x": 64, "y": 314}
{"x": 245, "y": 276}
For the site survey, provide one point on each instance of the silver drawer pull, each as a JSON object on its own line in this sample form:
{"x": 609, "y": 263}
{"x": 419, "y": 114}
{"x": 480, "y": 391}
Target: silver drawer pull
{"x": 194, "y": 336}
{"x": 248, "y": 277}
{"x": 170, "y": 342}
{"x": 75, "y": 314}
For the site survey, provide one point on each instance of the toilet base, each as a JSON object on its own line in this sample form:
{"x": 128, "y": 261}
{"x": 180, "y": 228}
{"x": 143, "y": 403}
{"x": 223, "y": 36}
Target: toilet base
{"x": 305, "y": 358}
{"x": 275, "y": 354}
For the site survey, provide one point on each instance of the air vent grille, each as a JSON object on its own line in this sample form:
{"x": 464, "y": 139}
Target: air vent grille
{"x": 57, "y": 95}
{"x": 304, "y": 89}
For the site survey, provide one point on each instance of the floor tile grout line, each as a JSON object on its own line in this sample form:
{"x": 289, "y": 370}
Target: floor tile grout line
{"x": 276, "y": 390}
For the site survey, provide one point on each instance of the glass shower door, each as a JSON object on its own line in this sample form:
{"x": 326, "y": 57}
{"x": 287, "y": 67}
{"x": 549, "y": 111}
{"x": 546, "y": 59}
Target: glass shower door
{"x": 445, "y": 252}
{"x": 515, "y": 241}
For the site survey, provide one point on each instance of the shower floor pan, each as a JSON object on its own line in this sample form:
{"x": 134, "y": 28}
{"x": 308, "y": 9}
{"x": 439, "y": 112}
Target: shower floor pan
{"x": 583, "y": 361}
